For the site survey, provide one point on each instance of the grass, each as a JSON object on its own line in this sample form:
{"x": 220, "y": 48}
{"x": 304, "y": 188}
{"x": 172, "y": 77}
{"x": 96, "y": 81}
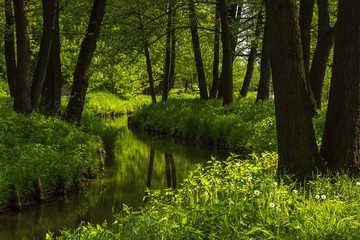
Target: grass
{"x": 240, "y": 199}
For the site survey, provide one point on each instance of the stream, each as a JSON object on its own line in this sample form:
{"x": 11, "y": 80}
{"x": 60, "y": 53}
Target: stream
{"x": 140, "y": 161}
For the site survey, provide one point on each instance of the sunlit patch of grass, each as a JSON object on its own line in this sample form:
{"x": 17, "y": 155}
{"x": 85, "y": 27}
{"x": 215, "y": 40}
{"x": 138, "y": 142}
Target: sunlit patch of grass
{"x": 240, "y": 200}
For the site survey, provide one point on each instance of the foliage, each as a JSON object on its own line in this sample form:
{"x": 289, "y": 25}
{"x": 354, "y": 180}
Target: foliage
{"x": 243, "y": 124}
{"x": 240, "y": 200}
{"x": 43, "y": 147}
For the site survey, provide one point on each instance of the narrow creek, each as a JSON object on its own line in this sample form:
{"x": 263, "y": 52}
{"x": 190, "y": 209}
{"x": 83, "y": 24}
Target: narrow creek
{"x": 140, "y": 161}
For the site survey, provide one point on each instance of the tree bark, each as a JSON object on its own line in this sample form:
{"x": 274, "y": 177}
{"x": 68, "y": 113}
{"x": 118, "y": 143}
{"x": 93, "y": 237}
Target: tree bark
{"x": 150, "y": 73}
{"x": 227, "y": 70}
{"x": 340, "y": 145}
{"x": 298, "y": 153}
{"x": 172, "y": 55}
{"x": 265, "y": 66}
{"x": 51, "y": 91}
{"x": 325, "y": 41}
{"x": 251, "y": 59}
{"x": 81, "y": 74}
{"x": 166, "y": 80}
{"x": 49, "y": 16}
{"x": 305, "y": 19}
{"x": 197, "y": 51}
{"x": 216, "y": 58}
{"x": 9, "y": 40}
{"x": 22, "y": 93}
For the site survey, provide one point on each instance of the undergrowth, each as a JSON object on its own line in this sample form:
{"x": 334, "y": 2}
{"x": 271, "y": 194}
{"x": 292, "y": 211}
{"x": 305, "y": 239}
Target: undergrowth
{"x": 239, "y": 199}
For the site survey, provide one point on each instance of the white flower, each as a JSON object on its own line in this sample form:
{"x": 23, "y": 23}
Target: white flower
{"x": 257, "y": 192}
{"x": 317, "y": 196}
{"x": 295, "y": 191}
{"x": 275, "y": 184}
{"x": 323, "y": 196}
{"x": 238, "y": 164}
{"x": 272, "y": 205}
{"x": 278, "y": 209}
{"x": 249, "y": 179}
{"x": 357, "y": 183}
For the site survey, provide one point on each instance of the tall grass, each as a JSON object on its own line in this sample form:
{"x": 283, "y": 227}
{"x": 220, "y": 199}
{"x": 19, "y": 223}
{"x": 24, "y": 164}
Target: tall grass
{"x": 240, "y": 200}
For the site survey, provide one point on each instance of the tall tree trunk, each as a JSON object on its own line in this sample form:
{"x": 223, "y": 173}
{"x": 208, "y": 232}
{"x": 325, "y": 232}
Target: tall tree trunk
{"x": 298, "y": 153}
{"x": 81, "y": 74}
{"x": 325, "y": 41}
{"x": 340, "y": 144}
{"x": 9, "y": 40}
{"x": 216, "y": 59}
{"x": 265, "y": 66}
{"x": 235, "y": 15}
{"x": 305, "y": 19}
{"x": 197, "y": 51}
{"x": 150, "y": 73}
{"x": 166, "y": 80}
{"x": 227, "y": 71}
{"x": 172, "y": 55}
{"x": 51, "y": 91}
{"x": 251, "y": 59}
{"x": 22, "y": 93}
{"x": 49, "y": 16}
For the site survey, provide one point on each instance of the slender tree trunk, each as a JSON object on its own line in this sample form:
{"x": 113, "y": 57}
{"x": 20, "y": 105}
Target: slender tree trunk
{"x": 305, "y": 19}
{"x": 216, "y": 59}
{"x": 51, "y": 92}
{"x": 298, "y": 153}
{"x": 340, "y": 144}
{"x": 173, "y": 55}
{"x": 9, "y": 40}
{"x": 251, "y": 59}
{"x": 150, "y": 73}
{"x": 265, "y": 66}
{"x": 235, "y": 16}
{"x": 227, "y": 71}
{"x": 325, "y": 41}
{"x": 49, "y": 16}
{"x": 197, "y": 51}
{"x": 22, "y": 93}
{"x": 166, "y": 80}
{"x": 81, "y": 74}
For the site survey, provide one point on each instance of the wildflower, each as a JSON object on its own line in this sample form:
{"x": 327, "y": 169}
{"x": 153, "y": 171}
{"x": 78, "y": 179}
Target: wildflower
{"x": 295, "y": 191}
{"x": 275, "y": 184}
{"x": 323, "y": 197}
{"x": 272, "y": 205}
{"x": 317, "y": 196}
{"x": 357, "y": 183}
{"x": 249, "y": 179}
{"x": 278, "y": 209}
{"x": 257, "y": 192}
{"x": 238, "y": 164}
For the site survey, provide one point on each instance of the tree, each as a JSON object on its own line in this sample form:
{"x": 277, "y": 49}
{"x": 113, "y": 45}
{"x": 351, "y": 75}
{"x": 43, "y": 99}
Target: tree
{"x": 340, "y": 144}
{"x": 252, "y": 55}
{"x": 325, "y": 41}
{"x": 265, "y": 66}
{"x": 49, "y": 13}
{"x": 227, "y": 70}
{"x": 298, "y": 153}
{"x": 81, "y": 74}
{"x": 22, "y": 90}
{"x": 51, "y": 91}
{"x": 9, "y": 40}
{"x": 216, "y": 59}
{"x": 197, "y": 51}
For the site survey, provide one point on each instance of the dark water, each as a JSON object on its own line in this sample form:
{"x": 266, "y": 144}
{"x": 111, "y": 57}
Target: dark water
{"x": 140, "y": 162}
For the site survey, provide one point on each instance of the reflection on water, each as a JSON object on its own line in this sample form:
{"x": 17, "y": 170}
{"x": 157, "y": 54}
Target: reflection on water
{"x": 140, "y": 162}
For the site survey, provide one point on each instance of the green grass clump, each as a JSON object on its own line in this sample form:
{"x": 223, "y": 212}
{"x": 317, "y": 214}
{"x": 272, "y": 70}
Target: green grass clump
{"x": 245, "y": 124}
{"x": 240, "y": 200}
{"x": 109, "y": 104}
{"x": 42, "y": 147}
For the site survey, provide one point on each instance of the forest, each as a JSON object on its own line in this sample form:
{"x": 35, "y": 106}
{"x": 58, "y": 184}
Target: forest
{"x": 256, "y": 104}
